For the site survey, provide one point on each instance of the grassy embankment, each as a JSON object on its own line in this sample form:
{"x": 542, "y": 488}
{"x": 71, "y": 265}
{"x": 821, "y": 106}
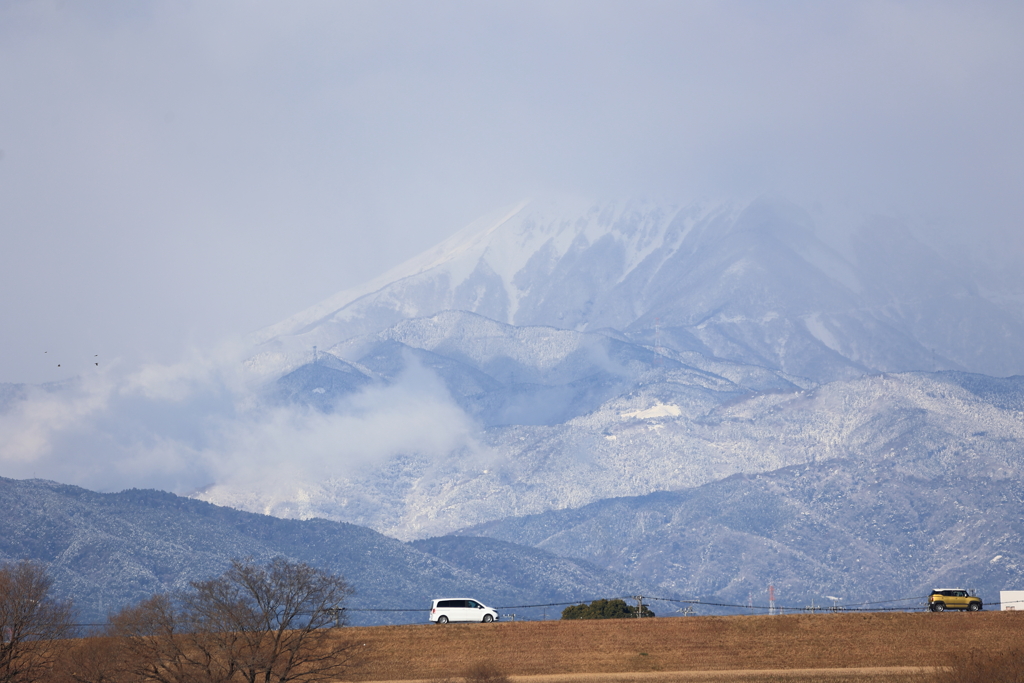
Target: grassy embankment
{"x": 822, "y": 647}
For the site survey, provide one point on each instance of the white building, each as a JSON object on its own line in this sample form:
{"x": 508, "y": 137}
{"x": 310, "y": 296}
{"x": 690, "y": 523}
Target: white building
{"x": 1012, "y": 600}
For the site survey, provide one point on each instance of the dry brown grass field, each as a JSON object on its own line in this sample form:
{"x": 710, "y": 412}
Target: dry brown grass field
{"x": 885, "y": 648}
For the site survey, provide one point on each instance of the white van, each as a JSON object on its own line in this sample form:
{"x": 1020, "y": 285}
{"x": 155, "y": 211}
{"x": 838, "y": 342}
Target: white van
{"x": 461, "y": 609}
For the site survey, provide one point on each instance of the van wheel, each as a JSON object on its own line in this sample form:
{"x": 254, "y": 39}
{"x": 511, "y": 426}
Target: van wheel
{"x": 939, "y": 607}
{"x": 973, "y": 607}
{"x": 442, "y": 619}
{"x": 488, "y": 618}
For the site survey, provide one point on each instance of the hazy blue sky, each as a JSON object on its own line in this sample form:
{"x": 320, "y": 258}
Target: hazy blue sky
{"x": 174, "y": 173}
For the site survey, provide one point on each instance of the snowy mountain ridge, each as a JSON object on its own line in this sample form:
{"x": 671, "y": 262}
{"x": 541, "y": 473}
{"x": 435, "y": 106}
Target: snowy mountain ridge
{"x": 751, "y": 283}
{"x": 587, "y": 351}
{"x": 470, "y": 238}
{"x": 655, "y": 423}
{"x": 483, "y": 268}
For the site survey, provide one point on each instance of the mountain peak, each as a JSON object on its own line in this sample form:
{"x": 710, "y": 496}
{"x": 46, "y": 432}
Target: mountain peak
{"x": 750, "y": 282}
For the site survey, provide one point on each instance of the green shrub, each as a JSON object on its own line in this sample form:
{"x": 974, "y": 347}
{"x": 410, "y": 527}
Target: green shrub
{"x": 605, "y": 609}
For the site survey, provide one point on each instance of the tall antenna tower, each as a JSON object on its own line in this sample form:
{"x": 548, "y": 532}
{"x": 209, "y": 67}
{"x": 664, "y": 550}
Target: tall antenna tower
{"x": 771, "y": 599}
{"x": 639, "y": 605}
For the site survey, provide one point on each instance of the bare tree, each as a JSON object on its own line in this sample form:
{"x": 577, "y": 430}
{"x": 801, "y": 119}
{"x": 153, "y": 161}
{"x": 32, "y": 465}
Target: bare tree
{"x": 253, "y": 623}
{"x": 279, "y": 617}
{"x": 30, "y": 623}
{"x": 159, "y": 643}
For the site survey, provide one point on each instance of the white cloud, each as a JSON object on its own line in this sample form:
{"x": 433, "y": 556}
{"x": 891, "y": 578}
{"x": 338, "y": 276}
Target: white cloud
{"x": 203, "y": 422}
{"x": 28, "y": 427}
{"x": 273, "y": 449}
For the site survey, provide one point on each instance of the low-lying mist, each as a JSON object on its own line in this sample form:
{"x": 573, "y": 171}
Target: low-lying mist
{"x": 205, "y": 423}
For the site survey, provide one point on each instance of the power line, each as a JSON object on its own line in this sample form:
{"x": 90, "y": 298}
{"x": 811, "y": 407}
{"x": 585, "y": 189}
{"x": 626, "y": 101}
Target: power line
{"x": 882, "y": 602}
{"x": 849, "y": 608}
{"x": 853, "y": 607}
{"x": 872, "y": 606}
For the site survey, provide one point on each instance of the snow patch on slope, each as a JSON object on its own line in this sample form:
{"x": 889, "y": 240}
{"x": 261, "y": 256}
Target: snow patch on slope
{"x": 817, "y": 328}
{"x": 658, "y": 410}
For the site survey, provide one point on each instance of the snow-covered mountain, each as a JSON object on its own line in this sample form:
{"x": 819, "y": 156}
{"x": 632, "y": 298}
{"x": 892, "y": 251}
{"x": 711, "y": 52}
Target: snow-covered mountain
{"x": 110, "y": 550}
{"x": 704, "y": 398}
{"x": 664, "y": 427}
{"x": 747, "y": 282}
{"x": 618, "y": 350}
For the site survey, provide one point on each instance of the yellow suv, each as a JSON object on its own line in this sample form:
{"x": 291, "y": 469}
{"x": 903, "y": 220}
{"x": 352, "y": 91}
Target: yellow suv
{"x": 943, "y": 599}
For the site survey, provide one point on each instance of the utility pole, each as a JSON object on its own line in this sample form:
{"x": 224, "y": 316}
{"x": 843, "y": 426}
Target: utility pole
{"x": 639, "y": 605}
{"x": 771, "y": 599}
